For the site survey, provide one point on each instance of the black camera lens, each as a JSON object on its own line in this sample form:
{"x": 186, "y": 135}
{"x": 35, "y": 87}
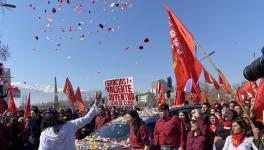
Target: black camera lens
{"x": 255, "y": 70}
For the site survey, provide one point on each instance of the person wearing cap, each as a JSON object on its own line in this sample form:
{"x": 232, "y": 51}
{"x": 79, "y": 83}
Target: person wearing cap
{"x": 61, "y": 136}
{"x": 169, "y": 132}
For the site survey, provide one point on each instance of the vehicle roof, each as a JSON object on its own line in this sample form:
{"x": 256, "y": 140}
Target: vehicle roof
{"x": 150, "y": 115}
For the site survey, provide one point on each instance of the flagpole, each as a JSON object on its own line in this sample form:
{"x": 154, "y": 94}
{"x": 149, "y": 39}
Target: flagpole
{"x": 232, "y": 91}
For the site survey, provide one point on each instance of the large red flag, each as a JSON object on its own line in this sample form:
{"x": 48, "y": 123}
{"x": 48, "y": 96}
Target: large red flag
{"x": 27, "y": 108}
{"x": 185, "y": 64}
{"x": 223, "y": 81}
{"x": 78, "y": 96}
{"x": 259, "y": 100}
{"x": 11, "y": 103}
{"x": 68, "y": 91}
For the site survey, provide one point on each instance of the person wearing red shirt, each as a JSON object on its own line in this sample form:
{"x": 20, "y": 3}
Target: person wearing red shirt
{"x": 169, "y": 132}
{"x": 139, "y": 136}
{"x": 102, "y": 118}
{"x": 196, "y": 137}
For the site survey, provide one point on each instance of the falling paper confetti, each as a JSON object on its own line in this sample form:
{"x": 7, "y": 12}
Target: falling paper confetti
{"x": 53, "y": 10}
{"x": 123, "y": 7}
{"x": 36, "y": 37}
{"x": 110, "y": 29}
{"x": 146, "y": 40}
{"x": 101, "y": 26}
{"x": 126, "y": 48}
{"x": 82, "y": 37}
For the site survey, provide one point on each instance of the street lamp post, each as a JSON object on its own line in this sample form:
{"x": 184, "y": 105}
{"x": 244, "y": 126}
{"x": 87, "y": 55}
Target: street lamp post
{"x": 4, "y": 4}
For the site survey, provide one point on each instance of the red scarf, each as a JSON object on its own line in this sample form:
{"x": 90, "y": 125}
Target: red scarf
{"x": 237, "y": 139}
{"x": 213, "y": 128}
{"x": 227, "y": 123}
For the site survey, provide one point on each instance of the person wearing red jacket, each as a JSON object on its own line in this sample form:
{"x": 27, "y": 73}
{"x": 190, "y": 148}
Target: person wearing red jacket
{"x": 169, "y": 132}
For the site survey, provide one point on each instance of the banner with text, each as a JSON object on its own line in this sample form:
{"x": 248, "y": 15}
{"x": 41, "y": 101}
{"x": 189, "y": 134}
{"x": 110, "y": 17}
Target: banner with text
{"x": 120, "y": 91}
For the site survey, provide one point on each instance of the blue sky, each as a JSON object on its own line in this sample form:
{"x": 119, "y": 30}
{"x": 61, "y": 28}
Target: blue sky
{"x": 234, "y": 29}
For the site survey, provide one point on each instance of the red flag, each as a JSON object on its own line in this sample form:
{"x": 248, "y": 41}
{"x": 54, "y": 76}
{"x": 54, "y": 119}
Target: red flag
{"x": 238, "y": 94}
{"x": 259, "y": 100}
{"x": 78, "y": 96}
{"x": 68, "y": 91}
{"x": 197, "y": 93}
{"x": 180, "y": 98}
{"x": 27, "y": 108}
{"x": 206, "y": 98}
{"x": 162, "y": 95}
{"x": 209, "y": 79}
{"x": 223, "y": 81}
{"x": 185, "y": 64}
{"x": 11, "y": 103}
{"x": 249, "y": 88}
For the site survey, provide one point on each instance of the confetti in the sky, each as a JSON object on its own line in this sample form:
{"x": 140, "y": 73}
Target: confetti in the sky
{"x": 146, "y": 40}
{"x": 141, "y": 47}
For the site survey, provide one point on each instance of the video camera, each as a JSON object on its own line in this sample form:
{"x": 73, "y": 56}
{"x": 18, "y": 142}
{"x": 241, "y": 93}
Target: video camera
{"x": 255, "y": 70}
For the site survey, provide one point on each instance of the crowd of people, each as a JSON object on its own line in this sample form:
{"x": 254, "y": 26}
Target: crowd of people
{"x": 18, "y": 132}
{"x": 213, "y": 127}
{"x": 220, "y": 126}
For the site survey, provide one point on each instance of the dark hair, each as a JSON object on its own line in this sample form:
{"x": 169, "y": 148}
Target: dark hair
{"x": 164, "y": 107}
{"x": 238, "y": 106}
{"x": 207, "y": 104}
{"x": 233, "y": 112}
{"x": 187, "y": 118}
{"x": 225, "y": 105}
{"x": 242, "y": 124}
{"x": 136, "y": 120}
{"x": 50, "y": 119}
{"x": 35, "y": 109}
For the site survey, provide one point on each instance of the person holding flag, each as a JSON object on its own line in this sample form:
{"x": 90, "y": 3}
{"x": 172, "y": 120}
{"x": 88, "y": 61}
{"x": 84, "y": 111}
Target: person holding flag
{"x": 62, "y": 136}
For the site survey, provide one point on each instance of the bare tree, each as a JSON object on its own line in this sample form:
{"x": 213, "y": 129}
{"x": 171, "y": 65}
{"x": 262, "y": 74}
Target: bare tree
{"x": 4, "y": 49}
{"x": 4, "y": 52}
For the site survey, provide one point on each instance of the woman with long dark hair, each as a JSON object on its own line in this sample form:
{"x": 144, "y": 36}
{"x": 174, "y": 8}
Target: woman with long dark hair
{"x": 139, "y": 136}
{"x": 59, "y": 135}
{"x": 184, "y": 116}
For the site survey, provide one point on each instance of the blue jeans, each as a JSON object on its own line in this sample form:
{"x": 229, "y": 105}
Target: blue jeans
{"x": 168, "y": 148}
